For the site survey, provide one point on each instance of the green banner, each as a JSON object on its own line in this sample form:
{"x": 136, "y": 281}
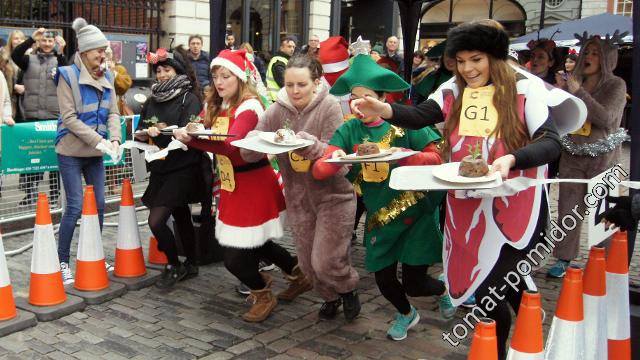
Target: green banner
{"x": 30, "y": 147}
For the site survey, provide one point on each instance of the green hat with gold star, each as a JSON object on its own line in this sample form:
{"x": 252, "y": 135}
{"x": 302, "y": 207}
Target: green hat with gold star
{"x": 366, "y": 73}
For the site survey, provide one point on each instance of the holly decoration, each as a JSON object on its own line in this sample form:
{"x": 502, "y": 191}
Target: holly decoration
{"x": 475, "y": 151}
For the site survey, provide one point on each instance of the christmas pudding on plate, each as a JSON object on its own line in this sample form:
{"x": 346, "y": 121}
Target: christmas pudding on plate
{"x": 368, "y": 148}
{"x": 473, "y": 167}
{"x": 285, "y": 136}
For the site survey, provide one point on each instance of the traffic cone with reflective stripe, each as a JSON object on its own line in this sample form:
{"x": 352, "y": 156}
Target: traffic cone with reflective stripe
{"x": 618, "y": 312}
{"x": 566, "y": 336}
{"x": 595, "y": 305}
{"x": 129, "y": 257}
{"x": 91, "y": 274}
{"x": 7, "y": 304}
{"x": 484, "y": 345}
{"x": 156, "y": 256}
{"x": 527, "y": 342}
{"x": 45, "y": 287}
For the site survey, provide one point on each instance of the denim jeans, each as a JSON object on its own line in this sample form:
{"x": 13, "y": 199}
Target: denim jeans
{"x": 71, "y": 171}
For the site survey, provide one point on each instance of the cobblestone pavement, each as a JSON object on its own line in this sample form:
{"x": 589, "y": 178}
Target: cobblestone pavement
{"x": 201, "y": 319}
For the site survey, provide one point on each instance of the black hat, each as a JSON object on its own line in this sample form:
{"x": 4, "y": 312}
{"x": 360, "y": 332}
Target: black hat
{"x": 478, "y": 36}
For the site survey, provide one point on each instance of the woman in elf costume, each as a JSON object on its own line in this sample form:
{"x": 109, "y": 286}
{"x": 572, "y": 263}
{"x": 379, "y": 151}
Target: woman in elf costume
{"x": 251, "y": 205}
{"x": 402, "y": 226}
{"x": 505, "y": 111}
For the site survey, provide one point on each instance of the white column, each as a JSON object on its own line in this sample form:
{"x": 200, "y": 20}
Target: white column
{"x": 183, "y": 18}
{"x": 320, "y": 18}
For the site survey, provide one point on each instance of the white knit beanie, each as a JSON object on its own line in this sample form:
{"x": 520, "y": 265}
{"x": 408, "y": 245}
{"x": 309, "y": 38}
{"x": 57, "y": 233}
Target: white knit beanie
{"x": 89, "y": 36}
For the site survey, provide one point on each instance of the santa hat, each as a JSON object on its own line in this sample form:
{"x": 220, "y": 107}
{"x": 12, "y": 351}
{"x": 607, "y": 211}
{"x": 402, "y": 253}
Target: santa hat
{"x": 235, "y": 61}
{"x": 334, "y": 57}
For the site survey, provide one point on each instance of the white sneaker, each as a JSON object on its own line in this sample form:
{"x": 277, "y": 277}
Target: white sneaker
{"x": 67, "y": 276}
{"x": 108, "y": 266}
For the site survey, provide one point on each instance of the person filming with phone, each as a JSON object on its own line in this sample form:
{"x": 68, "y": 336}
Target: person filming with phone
{"x": 40, "y": 101}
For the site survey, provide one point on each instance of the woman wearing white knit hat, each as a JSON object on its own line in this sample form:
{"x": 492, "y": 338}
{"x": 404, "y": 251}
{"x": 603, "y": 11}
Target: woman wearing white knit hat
{"x": 82, "y": 136}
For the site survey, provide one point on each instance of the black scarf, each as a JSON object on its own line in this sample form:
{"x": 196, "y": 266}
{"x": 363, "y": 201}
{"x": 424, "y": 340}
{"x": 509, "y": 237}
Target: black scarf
{"x": 167, "y": 90}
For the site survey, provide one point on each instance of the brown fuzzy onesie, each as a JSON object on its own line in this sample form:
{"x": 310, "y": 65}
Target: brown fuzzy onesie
{"x": 321, "y": 213}
{"x": 605, "y": 106}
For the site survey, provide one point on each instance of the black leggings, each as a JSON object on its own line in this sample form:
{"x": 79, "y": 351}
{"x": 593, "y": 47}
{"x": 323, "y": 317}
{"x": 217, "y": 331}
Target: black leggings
{"x": 158, "y": 217}
{"x": 415, "y": 282}
{"x": 243, "y": 263}
{"x": 360, "y": 209}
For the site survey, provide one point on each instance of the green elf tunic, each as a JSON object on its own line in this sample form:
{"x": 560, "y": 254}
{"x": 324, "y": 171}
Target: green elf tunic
{"x": 402, "y": 226}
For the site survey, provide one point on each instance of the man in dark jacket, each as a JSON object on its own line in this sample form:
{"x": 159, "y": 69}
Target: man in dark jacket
{"x": 277, "y": 65}
{"x": 199, "y": 60}
{"x": 40, "y": 101}
{"x": 394, "y": 54}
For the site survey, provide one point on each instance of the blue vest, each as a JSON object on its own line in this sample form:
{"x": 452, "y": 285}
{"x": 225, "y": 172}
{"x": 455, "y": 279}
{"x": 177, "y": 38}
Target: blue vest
{"x": 92, "y": 106}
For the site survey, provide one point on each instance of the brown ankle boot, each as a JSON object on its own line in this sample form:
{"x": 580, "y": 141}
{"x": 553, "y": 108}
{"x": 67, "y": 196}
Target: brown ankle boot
{"x": 263, "y": 302}
{"x": 298, "y": 284}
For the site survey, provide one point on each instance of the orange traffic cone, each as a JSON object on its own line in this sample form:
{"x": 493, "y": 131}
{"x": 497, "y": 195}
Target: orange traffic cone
{"x": 527, "y": 340}
{"x": 156, "y": 256}
{"x": 566, "y": 336}
{"x": 595, "y": 305}
{"x": 91, "y": 274}
{"x": 7, "y": 304}
{"x": 484, "y": 345}
{"x": 129, "y": 257}
{"x": 46, "y": 287}
{"x": 618, "y": 312}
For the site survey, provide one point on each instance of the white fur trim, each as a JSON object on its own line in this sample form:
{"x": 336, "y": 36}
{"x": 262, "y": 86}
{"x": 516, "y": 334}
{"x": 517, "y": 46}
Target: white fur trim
{"x": 228, "y": 64}
{"x": 249, "y": 237}
{"x": 335, "y": 67}
{"x": 252, "y": 105}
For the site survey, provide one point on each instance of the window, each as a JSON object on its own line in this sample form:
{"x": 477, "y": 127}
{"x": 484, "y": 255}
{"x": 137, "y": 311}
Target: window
{"x": 261, "y": 24}
{"x": 554, "y": 3}
{"x": 291, "y": 19}
{"x": 624, "y": 7}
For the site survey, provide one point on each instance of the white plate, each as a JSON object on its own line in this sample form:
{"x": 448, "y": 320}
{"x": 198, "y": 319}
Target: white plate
{"x": 355, "y": 156}
{"x": 391, "y": 156}
{"x": 269, "y": 136}
{"x": 449, "y": 172}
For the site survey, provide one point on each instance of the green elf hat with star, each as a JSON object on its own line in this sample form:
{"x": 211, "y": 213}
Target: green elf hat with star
{"x": 366, "y": 73}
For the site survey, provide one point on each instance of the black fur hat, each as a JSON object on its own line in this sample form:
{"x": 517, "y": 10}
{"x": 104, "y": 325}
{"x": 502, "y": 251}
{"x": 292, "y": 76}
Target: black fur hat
{"x": 478, "y": 36}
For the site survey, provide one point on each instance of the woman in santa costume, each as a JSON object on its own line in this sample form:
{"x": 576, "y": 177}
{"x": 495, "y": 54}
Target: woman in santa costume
{"x": 402, "y": 226}
{"x": 320, "y": 212}
{"x": 485, "y": 238}
{"x": 251, "y": 207}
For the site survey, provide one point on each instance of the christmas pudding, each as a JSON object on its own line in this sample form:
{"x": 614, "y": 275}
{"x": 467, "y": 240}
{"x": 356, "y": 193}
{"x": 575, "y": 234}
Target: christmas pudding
{"x": 368, "y": 148}
{"x": 285, "y": 136}
{"x": 194, "y": 127}
{"x": 473, "y": 165}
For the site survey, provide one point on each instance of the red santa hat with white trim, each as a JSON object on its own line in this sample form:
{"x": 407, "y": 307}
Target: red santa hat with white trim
{"x": 237, "y": 62}
{"x": 334, "y": 57}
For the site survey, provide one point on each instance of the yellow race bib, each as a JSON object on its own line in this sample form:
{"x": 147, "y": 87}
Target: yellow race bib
{"x": 376, "y": 172}
{"x": 299, "y": 163}
{"x": 478, "y": 116}
{"x": 585, "y": 130}
{"x": 220, "y": 126}
{"x": 227, "y": 179}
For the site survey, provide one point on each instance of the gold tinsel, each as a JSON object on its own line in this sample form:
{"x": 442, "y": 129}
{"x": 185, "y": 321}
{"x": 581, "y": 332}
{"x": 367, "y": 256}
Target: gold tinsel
{"x": 396, "y": 207}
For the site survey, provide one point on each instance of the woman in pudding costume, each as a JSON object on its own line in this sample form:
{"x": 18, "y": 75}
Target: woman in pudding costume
{"x": 402, "y": 226}
{"x": 485, "y": 238}
{"x": 321, "y": 213}
{"x": 251, "y": 203}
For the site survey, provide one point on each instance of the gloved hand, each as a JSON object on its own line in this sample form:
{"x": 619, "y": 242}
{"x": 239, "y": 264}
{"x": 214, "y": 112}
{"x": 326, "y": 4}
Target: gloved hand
{"x": 105, "y": 146}
{"x": 619, "y": 215}
{"x": 313, "y": 151}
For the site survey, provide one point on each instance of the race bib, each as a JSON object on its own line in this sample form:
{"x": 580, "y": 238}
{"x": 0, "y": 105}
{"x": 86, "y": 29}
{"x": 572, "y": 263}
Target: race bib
{"x": 227, "y": 179}
{"x": 220, "y": 126}
{"x": 478, "y": 116}
{"x": 585, "y": 130}
{"x": 299, "y": 163}
{"x": 376, "y": 172}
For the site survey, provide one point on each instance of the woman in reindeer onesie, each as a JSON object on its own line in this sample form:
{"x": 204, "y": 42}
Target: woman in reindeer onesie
{"x": 321, "y": 213}
{"x": 596, "y": 146}
{"x": 485, "y": 238}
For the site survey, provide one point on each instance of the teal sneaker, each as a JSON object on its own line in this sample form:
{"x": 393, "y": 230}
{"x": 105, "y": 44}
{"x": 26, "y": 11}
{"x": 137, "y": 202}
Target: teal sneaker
{"x": 402, "y": 324}
{"x": 447, "y": 310}
{"x": 558, "y": 269}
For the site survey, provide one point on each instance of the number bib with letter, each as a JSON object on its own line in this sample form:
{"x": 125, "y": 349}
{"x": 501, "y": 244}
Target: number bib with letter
{"x": 585, "y": 130}
{"x": 478, "y": 116}
{"x": 376, "y": 172}
{"x": 299, "y": 163}
{"x": 220, "y": 126}
{"x": 227, "y": 179}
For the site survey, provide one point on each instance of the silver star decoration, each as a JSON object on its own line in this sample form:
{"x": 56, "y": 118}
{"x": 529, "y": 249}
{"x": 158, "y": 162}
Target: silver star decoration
{"x": 360, "y": 47}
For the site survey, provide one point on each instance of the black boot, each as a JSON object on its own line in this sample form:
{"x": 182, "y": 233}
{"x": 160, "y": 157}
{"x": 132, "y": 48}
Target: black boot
{"x": 351, "y": 305}
{"x": 329, "y": 309}
{"x": 191, "y": 269}
{"x": 171, "y": 275}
